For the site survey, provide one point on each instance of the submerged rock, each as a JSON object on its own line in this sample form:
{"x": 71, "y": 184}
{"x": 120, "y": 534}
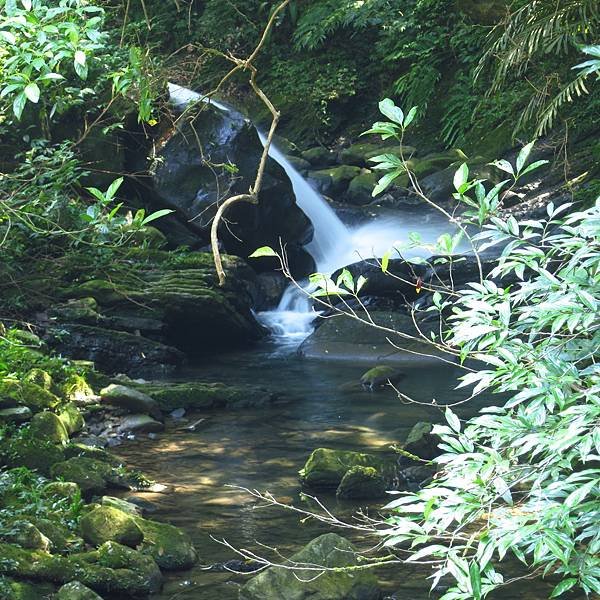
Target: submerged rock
{"x": 325, "y": 468}
{"x": 362, "y": 482}
{"x": 421, "y": 442}
{"x": 329, "y": 550}
{"x": 108, "y": 524}
{"x": 140, "y": 424}
{"x": 380, "y": 376}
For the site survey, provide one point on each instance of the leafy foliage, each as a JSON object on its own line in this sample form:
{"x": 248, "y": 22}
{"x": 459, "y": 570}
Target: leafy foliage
{"x": 522, "y": 478}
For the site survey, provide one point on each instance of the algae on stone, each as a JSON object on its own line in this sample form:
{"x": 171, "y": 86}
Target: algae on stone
{"x": 108, "y": 524}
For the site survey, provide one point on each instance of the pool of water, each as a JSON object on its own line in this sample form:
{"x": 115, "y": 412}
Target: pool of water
{"x": 263, "y": 449}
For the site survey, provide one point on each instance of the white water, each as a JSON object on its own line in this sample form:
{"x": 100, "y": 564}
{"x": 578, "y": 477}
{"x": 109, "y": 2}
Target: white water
{"x": 333, "y": 245}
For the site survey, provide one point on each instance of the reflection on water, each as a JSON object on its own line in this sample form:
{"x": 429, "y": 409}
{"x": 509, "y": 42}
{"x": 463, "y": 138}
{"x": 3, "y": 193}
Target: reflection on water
{"x": 264, "y": 448}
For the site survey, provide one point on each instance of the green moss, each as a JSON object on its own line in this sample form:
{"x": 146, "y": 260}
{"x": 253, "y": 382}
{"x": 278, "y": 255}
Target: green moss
{"x": 104, "y": 292}
{"x": 106, "y": 524}
{"x": 27, "y": 393}
{"x": 47, "y": 426}
{"x": 11, "y": 589}
{"x": 361, "y": 482}
{"x": 75, "y": 590}
{"x": 77, "y": 389}
{"x": 40, "y": 377}
{"x": 71, "y": 417}
{"x": 169, "y": 546}
{"x": 91, "y": 475}
{"x": 37, "y": 455}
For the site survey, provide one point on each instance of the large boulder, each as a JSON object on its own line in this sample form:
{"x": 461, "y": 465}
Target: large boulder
{"x": 105, "y": 523}
{"x": 330, "y": 551}
{"x": 362, "y": 482}
{"x": 47, "y": 426}
{"x": 345, "y": 338}
{"x": 76, "y": 591}
{"x": 211, "y": 155}
{"x": 335, "y": 181}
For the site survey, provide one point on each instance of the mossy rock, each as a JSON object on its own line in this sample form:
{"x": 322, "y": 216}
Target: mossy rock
{"x": 76, "y": 591}
{"x": 25, "y": 534}
{"x": 71, "y": 417}
{"x": 361, "y": 153}
{"x": 421, "y": 442}
{"x": 362, "y": 482}
{"x": 102, "y": 291}
{"x": 48, "y": 426}
{"x": 326, "y": 467}
{"x": 204, "y": 396}
{"x": 319, "y": 156}
{"x": 85, "y": 451}
{"x": 40, "y": 377}
{"x": 380, "y": 376}
{"x": 122, "y": 505}
{"x": 360, "y": 190}
{"x": 77, "y": 389}
{"x": 62, "y": 538}
{"x": 334, "y": 181}
{"x": 62, "y": 489}
{"x": 113, "y": 569}
{"x": 148, "y": 237}
{"x": 37, "y": 455}
{"x": 11, "y": 589}
{"x": 108, "y": 524}
{"x": 26, "y": 393}
{"x": 329, "y": 550}
{"x": 130, "y": 399}
{"x": 27, "y": 338}
{"x": 169, "y": 546}
{"x": 77, "y": 310}
{"x": 91, "y": 475}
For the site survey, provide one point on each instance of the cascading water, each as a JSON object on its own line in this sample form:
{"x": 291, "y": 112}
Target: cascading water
{"x": 333, "y": 245}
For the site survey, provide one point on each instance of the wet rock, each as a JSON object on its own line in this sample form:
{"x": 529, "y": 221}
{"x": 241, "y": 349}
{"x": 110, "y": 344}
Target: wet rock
{"x": 415, "y": 476}
{"x": 203, "y": 396}
{"x": 75, "y": 590}
{"x": 360, "y": 189}
{"x": 112, "y": 569}
{"x": 329, "y": 550}
{"x": 92, "y": 476}
{"x": 345, "y": 338}
{"x": 319, "y": 156}
{"x": 380, "y": 376}
{"x": 108, "y": 524}
{"x": 77, "y": 310}
{"x": 421, "y": 442}
{"x": 18, "y": 414}
{"x": 271, "y": 287}
{"x": 131, "y": 399}
{"x": 177, "y": 414}
{"x": 333, "y": 182}
{"x": 26, "y": 393}
{"x": 140, "y": 424}
{"x": 47, "y": 426}
{"x": 182, "y": 179}
{"x": 169, "y": 546}
{"x": 362, "y": 482}
{"x": 360, "y": 154}
{"x": 325, "y": 468}
{"x": 144, "y": 505}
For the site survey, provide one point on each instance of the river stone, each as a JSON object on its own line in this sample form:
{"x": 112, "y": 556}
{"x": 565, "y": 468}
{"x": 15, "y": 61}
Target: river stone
{"x": 47, "y": 426}
{"x": 91, "y": 475}
{"x": 380, "y": 376}
{"x": 362, "y": 482}
{"x": 35, "y": 454}
{"x": 127, "y": 507}
{"x": 39, "y": 377}
{"x": 76, "y": 591}
{"x": 71, "y": 417}
{"x": 61, "y": 489}
{"x": 360, "y": 190}
{"x": 421, "y": 442}
{"x": 319, "y": 156}
{"x": 112, "y": 569}
{"x": 333, "y": 182}
{"x": 140, "y": 424}
{"x": 329, "y": 550}
{"x": 131, "y": 399}
{"x": 325, "y": 468}
{"x": 169, "y": 546}
{"x": 77, "y": 389}
{"x": 18, "y": 414}
{"x": 108, "y": 524}
{"x": 26, "y": 535}
{"x": 345, "y": 338}
{"x": 11, "y": 589}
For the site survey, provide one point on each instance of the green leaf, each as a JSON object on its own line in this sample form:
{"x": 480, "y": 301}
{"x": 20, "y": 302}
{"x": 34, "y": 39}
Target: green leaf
{"x": 113, "y": 188}
{"x": 410, "y": 117}
{"x": 385, "y": 261}
{"x": 391, "y": 111}
{"x": 8, "y": 37}
{"x": 19, "y": 105}
{"x": 475, "y": 579}
{"x": 461, "y": 176}
{"x": 524, "y": 155}
{"x": 533, "y": 166}
{"x": 453, "y": 420}
{"x": 264, "y": 251}
{"x": 157, "y": 215}
{"x": 505, "y": 166}
{"x": 79, "y": 57}
{"x": 32, "y": 91}
{"x": 563, "y": 587}
{"x": 385, "y": 181}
